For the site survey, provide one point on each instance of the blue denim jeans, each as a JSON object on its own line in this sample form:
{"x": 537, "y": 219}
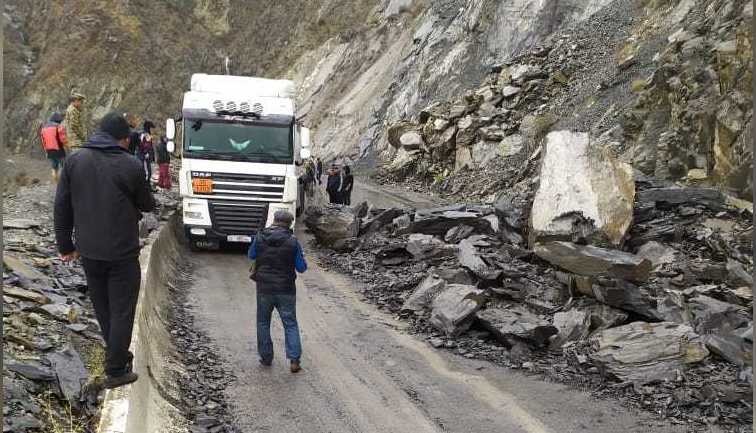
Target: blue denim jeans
{"x": 287, "y": 310}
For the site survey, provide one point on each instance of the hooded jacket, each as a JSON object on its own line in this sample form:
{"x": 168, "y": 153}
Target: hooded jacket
{"x": 100, "y": 198}
{"x": 278, "y": 257}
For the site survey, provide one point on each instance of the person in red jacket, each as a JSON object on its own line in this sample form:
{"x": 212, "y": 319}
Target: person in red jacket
{"x": 53, "y": 136}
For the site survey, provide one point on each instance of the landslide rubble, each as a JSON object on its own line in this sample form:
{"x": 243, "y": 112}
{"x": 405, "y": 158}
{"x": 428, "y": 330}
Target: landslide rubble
{"x": 661, "y": 320}
{"x": 53, "y": 351}
{"x": 666, "y": 88}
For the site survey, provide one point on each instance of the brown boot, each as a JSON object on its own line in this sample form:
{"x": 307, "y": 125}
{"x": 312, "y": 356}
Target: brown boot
{"x": 295, "y": 367}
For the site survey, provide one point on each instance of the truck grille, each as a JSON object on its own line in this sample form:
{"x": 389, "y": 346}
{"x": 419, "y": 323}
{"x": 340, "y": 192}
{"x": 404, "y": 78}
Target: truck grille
{"x": 255, "y": 187}
{"x": 232, "y": 217}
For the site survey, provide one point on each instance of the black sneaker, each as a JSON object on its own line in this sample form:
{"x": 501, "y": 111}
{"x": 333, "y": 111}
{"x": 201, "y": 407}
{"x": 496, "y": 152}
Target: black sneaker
{"x": 266, "y": 362}
{"x": 124, "y": 379}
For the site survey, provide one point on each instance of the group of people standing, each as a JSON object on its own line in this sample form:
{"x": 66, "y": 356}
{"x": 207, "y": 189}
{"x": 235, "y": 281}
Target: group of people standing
{"x": 63, "y": 135}
{"x": 339, "y": 183}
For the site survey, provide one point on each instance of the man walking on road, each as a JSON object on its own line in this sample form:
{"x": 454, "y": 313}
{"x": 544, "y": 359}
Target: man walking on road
{"x": 75, "y": 134}
{"x": 101, "y": 195}
{"x": 277, "y": 257}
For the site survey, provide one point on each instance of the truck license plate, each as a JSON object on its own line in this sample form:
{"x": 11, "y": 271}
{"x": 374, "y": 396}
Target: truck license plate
{"x": 239, "y": 238}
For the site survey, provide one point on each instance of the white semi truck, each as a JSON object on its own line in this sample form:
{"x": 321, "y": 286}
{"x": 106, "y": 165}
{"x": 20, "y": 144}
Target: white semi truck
{"x": 241, "y": 146}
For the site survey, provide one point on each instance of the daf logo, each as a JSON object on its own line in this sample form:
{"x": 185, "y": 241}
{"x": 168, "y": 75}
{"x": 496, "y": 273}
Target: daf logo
{"x": 201, "y": 174}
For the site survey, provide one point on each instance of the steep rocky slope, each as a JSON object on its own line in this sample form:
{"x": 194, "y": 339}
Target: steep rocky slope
{"x": 664, "y": 85}
{"x": 359, "y": 63}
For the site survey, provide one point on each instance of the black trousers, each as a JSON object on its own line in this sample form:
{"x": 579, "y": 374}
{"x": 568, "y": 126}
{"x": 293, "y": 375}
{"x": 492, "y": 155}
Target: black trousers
{"x": 114, "y": 290}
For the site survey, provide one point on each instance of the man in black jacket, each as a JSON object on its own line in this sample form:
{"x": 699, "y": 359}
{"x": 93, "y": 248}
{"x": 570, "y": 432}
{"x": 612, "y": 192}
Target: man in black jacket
{"x": 100, "y": 199}
{"x": 278, "y": 257}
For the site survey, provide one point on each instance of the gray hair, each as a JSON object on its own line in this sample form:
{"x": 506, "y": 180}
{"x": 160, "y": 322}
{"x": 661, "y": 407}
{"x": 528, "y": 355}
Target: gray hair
{"x": 283, "y": 218}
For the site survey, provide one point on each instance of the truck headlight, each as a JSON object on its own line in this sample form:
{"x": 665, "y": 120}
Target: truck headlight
{"x": 192, "y": 215}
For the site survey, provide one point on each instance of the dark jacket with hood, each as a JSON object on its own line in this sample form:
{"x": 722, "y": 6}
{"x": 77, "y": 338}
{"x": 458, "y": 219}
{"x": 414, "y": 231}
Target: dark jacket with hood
{"x": 100, "y": 199}
{"x": 278, "y": 257}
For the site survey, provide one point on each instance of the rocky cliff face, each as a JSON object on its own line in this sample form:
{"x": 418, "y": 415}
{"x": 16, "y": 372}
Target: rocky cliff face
{"x": 138, "y": 55}
{"x": 360, "y": 64}
{"x": 665, "y": 83}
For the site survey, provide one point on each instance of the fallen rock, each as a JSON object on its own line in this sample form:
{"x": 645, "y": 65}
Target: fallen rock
{"x": 709, "y": 197}
{"x": 397, "y": 130}
{"x": 23, "y": 270}
{"x": 509, "y": 324}
{"x": 402, "y": 222}
{"x": 27, "y": 295}
{"x": 628, "y": 297}
{"x": 583, "y": 193}
{"x": 732, "y": 346}
{"x": 331, "y": 223}
{"x": 424, "y": 247}
{"x": 458, "y": 233}
{"x": 438, "y": 221}
{"x": 642, "y": 352}
{"x": 372, "y": 225}
{"x": 424, "y": 294}
{"x": 509, "y": 91}
{"x": 454, "y": 308}
{"x": 70, "y": 372}
{"x": 572, "y": 325}
{"x": 511, "y": 145}
{"x": 470, "y": 258}
{"x": 737, "y": 275}
{"x": 713, "y": 316}
{"x": 411, "y": 140}
{"x": 31, "y": 371}
{"x": 658, "y": 254}
{"x": 594, "y": 261}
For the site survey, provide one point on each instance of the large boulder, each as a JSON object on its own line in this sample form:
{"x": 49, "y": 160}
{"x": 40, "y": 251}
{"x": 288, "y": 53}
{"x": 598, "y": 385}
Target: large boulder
{"x": 398, "y": 129}
{"x": 513, "y": 323}
{"x": 332, "y": 223}
{"x": 594, "y": 261}
{"x": 583, "y": 192}
{"x": 642, "y": 352}
{"x": 454, "y": 308}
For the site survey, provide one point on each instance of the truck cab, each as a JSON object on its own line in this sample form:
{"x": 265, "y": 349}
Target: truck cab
{"x": 241, "y": 147}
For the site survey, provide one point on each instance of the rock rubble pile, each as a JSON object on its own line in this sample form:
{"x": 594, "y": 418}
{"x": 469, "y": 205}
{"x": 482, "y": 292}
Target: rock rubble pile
{"x": 649, "y": 300}
{"x": 53, "y": 351}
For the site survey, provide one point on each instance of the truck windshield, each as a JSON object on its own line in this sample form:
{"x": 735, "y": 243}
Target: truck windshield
{"x": 253, "y": 142}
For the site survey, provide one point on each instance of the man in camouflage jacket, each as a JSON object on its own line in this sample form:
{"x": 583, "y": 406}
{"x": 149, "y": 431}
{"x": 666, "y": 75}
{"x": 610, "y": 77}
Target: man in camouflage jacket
{"x": 75, "y": 132}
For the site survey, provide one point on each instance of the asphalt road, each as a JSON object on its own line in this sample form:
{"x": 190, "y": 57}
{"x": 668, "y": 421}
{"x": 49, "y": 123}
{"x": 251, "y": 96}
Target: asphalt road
{"x": 362, "y": 373}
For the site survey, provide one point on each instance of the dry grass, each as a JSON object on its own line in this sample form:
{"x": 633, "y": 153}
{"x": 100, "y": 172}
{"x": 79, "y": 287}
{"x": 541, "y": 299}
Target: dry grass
{"x": 94, "y": 359}
{"x": 60, "y": 423}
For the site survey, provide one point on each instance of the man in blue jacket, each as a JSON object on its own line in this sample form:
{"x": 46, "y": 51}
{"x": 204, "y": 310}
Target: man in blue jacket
{"x": 100, "y": 199}
{"x": 278, "y": 257}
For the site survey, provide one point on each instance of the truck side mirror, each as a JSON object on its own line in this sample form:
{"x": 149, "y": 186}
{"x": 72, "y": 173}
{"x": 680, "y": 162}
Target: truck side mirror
{"x": 304, "y": 137}
{"x": 170, "y": 146}
{"x": 170, "y": 129}
{"x": 305, "y": 153}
